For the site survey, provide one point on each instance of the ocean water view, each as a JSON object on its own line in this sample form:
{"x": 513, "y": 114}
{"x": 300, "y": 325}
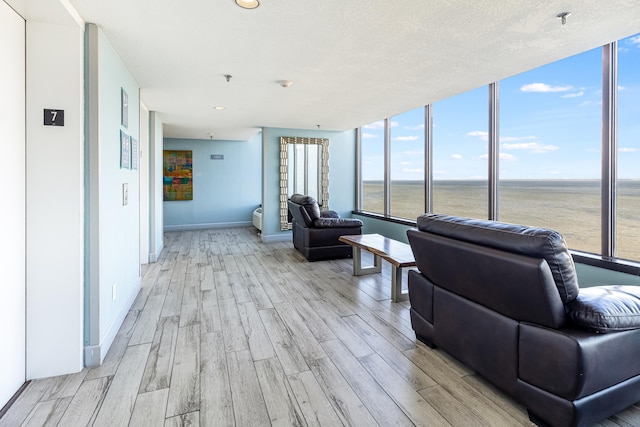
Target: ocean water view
{"x": 571, "y": 207}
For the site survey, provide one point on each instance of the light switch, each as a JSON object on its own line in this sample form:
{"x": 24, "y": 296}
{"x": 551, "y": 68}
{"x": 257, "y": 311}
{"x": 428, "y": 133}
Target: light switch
{"x": 125, "y": 194}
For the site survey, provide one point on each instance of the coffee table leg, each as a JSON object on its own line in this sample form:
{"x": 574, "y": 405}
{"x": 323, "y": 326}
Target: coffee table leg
{"x": 358, "y": 269}
{"x": 396, "y": 285}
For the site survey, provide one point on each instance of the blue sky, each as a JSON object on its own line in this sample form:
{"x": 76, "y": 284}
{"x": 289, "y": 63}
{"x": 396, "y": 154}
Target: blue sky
{"x": 550, "y": 126}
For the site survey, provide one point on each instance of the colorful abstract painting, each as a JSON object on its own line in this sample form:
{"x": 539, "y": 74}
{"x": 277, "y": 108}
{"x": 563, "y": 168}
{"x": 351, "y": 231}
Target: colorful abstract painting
{"x": 177, "y": 175}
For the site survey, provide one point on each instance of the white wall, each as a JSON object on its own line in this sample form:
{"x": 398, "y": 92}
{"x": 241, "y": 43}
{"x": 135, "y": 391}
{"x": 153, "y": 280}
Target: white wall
{"x": 144, "y": 184}
{"x": 156, "y": 138}
{"x": 114, "y": 231}
{"x": 54, "y": 200}
{"x": 12, "y": 213}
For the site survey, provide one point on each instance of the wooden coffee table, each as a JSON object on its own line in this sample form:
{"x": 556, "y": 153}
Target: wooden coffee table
{"x": 398, "y": 254}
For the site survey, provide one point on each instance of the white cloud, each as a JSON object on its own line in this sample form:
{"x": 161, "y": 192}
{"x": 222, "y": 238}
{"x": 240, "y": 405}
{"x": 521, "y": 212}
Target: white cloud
{"x": 503, "y": 156}
{"x": 586, "y": 103}
{"x": 413, "y": 170}
{"x": 574, "y": 95}
{"x": 456, "y": 156}
{"x": 369, "y": 135}
{"x": 532, "y": 147}
{"x": 628, "y": 150}
{"x": 405, "y": 163}
{"x": 635, "y": 40}
{"x": 419, "y": 127}
{"x": 479, "y": 133}
{"x": 515, "y": 138}
{"x": 544, "y": 88}
{"x": 375, "y": 125}
{"x": 554, "y": 172}
{"x": 439, "y": 172}
{"x": 406, "y": 138}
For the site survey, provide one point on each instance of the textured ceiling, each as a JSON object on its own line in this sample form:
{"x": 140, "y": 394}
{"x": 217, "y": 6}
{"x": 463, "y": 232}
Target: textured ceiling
{"x": 351, "y": 62}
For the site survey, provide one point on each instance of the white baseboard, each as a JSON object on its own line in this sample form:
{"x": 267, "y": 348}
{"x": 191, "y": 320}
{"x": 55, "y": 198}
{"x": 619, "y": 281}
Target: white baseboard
{"x": 185, "y": 227}
{"x": 282, "y": 237}
{"x": 94, "y": 354}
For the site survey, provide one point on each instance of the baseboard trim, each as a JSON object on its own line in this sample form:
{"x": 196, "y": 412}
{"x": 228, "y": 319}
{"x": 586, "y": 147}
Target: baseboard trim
{"x": 94, "y": 354}
{"x": 186, "y": 227}
{"x": 274, "y": 238}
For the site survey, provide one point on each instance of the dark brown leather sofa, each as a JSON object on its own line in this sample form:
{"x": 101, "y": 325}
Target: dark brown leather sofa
{"x": 504, "y": 299}
{"x": 316, "y": 233}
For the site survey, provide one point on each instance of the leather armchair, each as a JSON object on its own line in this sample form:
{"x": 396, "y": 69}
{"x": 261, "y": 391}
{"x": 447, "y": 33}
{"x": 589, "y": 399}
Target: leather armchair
{"x": 316, "y": 233}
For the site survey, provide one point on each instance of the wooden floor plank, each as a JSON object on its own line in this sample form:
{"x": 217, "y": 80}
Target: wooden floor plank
{"x": 150, "y": 409}
{"x": 234, "y": 336}
{"x": 314, "y": 404}
{"x": 259, "y": 342}
{"x": 248, "y": 403}
{"x": 283, "y": 343}
{"x": 280, "y": 401}
{"x": 412, "y": 404}
{"x": 345, "y": 402}
{"x": 157, "y": 373}
{"x": 305, "y": 341}
{"x": 216, "y": 405}
{"x": 84, "y": 406}
{"x": 404, "y": 367}
{"x": 47, "y": 413}
{"x": 377, "y": 401}
{"x": 192, "y": 419}
{"x": 118, "y": 404}
{"x": 184, "y": 393}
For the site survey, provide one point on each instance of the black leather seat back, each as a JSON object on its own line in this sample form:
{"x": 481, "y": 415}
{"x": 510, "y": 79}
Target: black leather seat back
{"x": 521, "y": 272}
{"x": 518, "y": 239}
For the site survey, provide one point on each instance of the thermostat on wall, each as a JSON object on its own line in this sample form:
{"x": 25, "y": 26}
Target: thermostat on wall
{"x": 217, "y": 157}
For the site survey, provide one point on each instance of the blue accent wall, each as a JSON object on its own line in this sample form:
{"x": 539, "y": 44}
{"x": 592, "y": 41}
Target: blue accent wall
{"x": 225, "y": 192}
{"x": 342, "y": 175}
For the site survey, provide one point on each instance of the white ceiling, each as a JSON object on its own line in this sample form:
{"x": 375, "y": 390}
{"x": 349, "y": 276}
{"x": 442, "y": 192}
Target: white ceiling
{"x": 351, "y": 62}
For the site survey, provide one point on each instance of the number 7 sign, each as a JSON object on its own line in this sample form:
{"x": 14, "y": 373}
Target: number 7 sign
{"x": 53, "y": 117}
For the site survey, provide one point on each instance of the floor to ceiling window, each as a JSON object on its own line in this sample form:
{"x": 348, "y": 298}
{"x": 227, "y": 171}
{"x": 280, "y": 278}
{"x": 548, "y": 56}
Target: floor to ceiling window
{"x": 628, "y": 201}
{"x": 460, "y": 171}
{"x": 407, "y": 164}
{"x": 372, "y": 137}
{"x": 550, "y": 155}
{"x": 550, "y": 149}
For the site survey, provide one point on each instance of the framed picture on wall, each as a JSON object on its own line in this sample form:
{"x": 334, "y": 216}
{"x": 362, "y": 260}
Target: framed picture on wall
{"x": 177, "y": 171}
{"x": 125, "y": 151}
{"x": 134, "y": 153}
{"x": 124, "y": 109}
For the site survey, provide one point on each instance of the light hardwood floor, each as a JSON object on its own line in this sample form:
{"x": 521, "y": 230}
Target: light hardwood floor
{"x": 228, "y": 331}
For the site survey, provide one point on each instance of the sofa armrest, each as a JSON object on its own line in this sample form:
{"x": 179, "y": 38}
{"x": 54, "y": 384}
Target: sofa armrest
{"x": 329, "y": 214}
{"x": 336, "y": 223}
{"x": 573, "y": 363}
{"x": 607, "y": 308}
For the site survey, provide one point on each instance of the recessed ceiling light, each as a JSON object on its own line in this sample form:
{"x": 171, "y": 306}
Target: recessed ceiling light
{"x": 285, "y": 83}
{"x": 219, "y": 107}
{"x": 248, "y": 4}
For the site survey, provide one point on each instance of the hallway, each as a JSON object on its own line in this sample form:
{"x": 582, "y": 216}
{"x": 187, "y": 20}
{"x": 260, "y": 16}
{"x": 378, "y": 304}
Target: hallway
{"x": 229, "y": 331}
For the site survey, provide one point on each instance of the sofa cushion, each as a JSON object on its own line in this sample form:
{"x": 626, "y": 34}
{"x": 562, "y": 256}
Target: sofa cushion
{"x": 607, "y": 308}
{"x": 309, "y": 203}
{"x": 520, "y": 239}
